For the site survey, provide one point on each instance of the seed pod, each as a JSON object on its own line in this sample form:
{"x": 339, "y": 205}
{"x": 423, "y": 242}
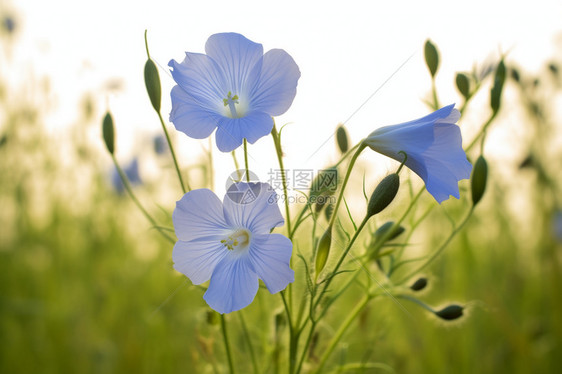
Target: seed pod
{"x": 108, "y": 133}
{"x": 419, "y": 285}
{"x": 478, "y": 180}
{"x": 463, "y": 85}
{"x": 383, "y": 194}
{"x": 152, "y": 82}
{"x": 342, "y": 139}
{"x": 323, "y": 250}
{"x": 431, "y": 57}
{"x": 450, "y": 313}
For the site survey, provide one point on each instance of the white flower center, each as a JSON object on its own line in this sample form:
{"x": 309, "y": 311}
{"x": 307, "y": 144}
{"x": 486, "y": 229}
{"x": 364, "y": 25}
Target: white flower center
{"x": 239, "y": 239}
{"x": 231, "y": 104}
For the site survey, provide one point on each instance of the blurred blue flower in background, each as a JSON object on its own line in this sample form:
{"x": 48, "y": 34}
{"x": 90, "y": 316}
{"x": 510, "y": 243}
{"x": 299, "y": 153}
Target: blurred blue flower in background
{"x": 160, "y": 144}
{"x": 234, "y": 88}
{"x": 231, "y": 244}
{"x": 8, "y": 24}
{"x": 433, "y": 145}
{"x": 132, "y": 173}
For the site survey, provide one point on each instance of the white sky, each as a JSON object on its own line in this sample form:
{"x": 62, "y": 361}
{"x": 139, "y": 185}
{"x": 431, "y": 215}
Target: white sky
{"x": 345, "y": 51}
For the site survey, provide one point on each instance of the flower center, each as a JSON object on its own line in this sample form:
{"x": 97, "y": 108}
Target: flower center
{"x": 239, "y": 239}
{"x": 230, "y": 101}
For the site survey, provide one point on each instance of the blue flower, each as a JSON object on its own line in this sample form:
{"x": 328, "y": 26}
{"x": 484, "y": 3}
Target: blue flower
{"x": 131, "y": 172}
{"x": 230, "y": 243}
{"x": 433, "y": 146}
{"x": 235, "y": 88}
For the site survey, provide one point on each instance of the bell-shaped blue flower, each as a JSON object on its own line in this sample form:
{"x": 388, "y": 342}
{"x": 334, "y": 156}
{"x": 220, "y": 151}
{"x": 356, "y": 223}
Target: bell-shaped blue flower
{"x": 231, "y": 244}
{"x": 235, "y": 88}
{"x": 433, "y": 145}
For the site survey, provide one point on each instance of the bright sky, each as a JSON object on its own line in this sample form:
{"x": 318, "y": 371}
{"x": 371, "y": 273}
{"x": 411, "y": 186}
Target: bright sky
{"x": 345, "y": 51}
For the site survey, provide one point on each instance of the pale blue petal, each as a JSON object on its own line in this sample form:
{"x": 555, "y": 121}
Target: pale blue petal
{"x": 197, "y": 259}
{"x": 259, "y": 213}
{"x": 270, "y": 255}
{"x": 233, "y": 286}
{"x": 231, "y": 131}
{"x": 199, "y": 215}
{"x": 236, "y": 56}
{"x": 277, "y": 85}
{"x": 191, "y": 118}
{"x": 438, "y": 115}
{"x": 201, "y": 79}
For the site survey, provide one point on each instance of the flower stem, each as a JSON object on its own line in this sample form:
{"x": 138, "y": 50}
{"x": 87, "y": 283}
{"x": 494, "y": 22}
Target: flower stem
{"x": 173, "y": 153}
{"x": 226, "y": 344}
{"x": 279, "y": 151}
{"x": 236, "y": 165}
{"x": 246, "y": 160}
{"x": 249, "y": 342}
{"x": 481, "y": 132}
{"x": 125, "y": 182}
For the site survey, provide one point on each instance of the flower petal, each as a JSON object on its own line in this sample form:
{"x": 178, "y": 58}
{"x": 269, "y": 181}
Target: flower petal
{"x": 189, "y": 117}
{"x": 252, "y": 206}
{"x": 277, "y": 84}
{"x": 270, "y": 255}
{"x": 198, "y": 259}
{"x": 202, "y": 79}
{"x": 234, "y": 284}
{"x": 198, "y": 215}
{"x": 236, "y": 56}
{"x": 232, "y": 131}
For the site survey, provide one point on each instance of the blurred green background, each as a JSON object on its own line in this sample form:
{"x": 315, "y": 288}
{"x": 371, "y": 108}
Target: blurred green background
{"x": 86, "y": 286}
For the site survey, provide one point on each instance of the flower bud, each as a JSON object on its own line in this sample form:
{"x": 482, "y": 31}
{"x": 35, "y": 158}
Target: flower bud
{"x": 419, "y": 285}
{"x": 381, "y": 231}
{"x": 496, "y": 92}
{"x": 108, "y": 133}
{"x": 431, "y": 57}
{"x": 342, "y": 139}
{"x": 478, "y": 180}
{"x": 212, "y": 318}
{"x": 450, "y": 313}
{"x": 323, "y": 250}
{"x": 329, "y": 211}
{"x": 383, "y": 194}
{"x": 152, "y": 82}
{"x": 463, "y": 85}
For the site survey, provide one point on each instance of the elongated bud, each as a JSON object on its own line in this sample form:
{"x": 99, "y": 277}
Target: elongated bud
{"x": 496, "y": 92}
{"x": 383, "y": 195}
{"x": 450, "y": 313}
{"x": 478, "y": 180}
{"x": 108, "y": 133}
{"x": 152, "y": 82}
{"x": 381, "y": 231}
{"x": 431, "y": 57}
{"x": 329, "y": 211}
{"x": 463, "y": 85}
{"x": 419, "y": 285}
{"x": 342, "y": 139}
{"x": 323, "y": 250}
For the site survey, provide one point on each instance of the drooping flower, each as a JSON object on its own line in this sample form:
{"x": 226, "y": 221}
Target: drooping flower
{"x": 433, "y": 145}
{"x": 230, "y": 243}
{"x": 235, "y": 88}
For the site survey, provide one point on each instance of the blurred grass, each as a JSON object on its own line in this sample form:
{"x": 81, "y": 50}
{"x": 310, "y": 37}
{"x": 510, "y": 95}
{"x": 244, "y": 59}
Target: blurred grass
{"x": 86, "y": 286}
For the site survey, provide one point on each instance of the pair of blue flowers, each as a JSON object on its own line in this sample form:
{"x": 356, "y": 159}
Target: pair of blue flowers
{"x": 236, "y": 89}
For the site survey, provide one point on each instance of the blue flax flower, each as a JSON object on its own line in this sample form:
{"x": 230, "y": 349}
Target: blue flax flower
{"x": 235, "y": 88}
{"x": 230, "y": 243}
{"x": 433, "y": 145}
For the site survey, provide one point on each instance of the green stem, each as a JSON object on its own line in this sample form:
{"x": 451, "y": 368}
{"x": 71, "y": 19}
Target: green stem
{"x": 236, "y": 165}
{"x": 306, "y": 346}
{"x": 434, "y": 92}
{"x": 249, "y": 342}
{"x": 226, "y": 344}
{"x": 246, "y": 160}
{"x": 481, "y": 132}
{"x": 125, "y": 182}
{"x": 279, "y": 151}
{"x": 345, "y": 325}
{"x": 173, "y": 153}
{"x": 293, "y": 338}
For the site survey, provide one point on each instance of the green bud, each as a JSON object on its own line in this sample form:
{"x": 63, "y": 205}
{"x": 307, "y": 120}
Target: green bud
{"x": 212, "y": 318}
{"x": 431, "y": 57}
{"x": 515, "y": 75}
{"x": 496, "y": 92}
{"x": 323, "y": 250}
{"x": 152, "y": 82}
{"x": 383, "y": 195}
{"x": 478, "y": 180}
{"x": 108, "y": 133}
{"x": 342, "y": 139}
{"x": 381, "y": 231}
{"x": 329, "y": 211}
{"x": 463, "y": 85}
{"x": 419, "y": 285}
{"x": 450, "y": 313}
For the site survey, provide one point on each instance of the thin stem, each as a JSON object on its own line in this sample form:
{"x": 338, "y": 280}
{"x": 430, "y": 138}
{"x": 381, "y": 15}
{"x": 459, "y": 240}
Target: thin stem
{"x": 127, "y": 186}
{"x": 249, "y": 342}
{"x": 306, "y": 346}
{"x": 173, "y": 153}
{"x": 236, "y": 165}
{"x": 293, "y": 338}
{"x": 345, "y": 325}
{"x": 481, "y": 132}
{"x": 279, "y": 151}
{"x": 226, "y": 344}
{"x": 246, "y": 160}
